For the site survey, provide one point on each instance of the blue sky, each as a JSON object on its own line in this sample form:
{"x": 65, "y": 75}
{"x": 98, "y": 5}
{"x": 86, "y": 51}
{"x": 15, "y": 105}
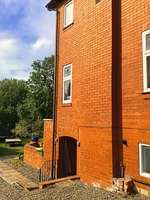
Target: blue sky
{"x": 27, "y": 33}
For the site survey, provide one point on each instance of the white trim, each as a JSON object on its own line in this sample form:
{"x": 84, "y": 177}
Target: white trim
{"x": 144, "y": 174}
{"x": 69, "y": 3}
{"x": 65, "y": 79}
{"x": 145, "y": 54}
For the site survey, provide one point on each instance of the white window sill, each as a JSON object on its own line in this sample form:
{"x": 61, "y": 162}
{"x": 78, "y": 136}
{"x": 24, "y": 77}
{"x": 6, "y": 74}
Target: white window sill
{"x": 146, "y": 175}
{"x": 68, "y": 26}
{"x": 67, "y": 102}
{"x": 146, "y": 90}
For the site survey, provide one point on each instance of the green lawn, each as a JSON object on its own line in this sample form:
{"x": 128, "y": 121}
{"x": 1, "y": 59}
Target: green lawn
{"x": 6, "y": 150}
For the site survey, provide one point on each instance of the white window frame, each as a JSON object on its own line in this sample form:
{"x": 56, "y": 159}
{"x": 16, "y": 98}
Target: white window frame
{"x": 146, "y": 53}
{"x": 144, "y": 174}
{"x": 65, "y": 79}
{"x": 65, "y": 7}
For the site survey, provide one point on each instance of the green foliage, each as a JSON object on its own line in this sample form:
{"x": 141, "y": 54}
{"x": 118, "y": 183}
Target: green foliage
{"x": 39, "y": 101}
{"x": 24, "y": 104}
{"x": 7, "y": 150}
{"x": 12, "y": 93}
{"x": 40, "y": 85}
{"x": 22, "y": 129}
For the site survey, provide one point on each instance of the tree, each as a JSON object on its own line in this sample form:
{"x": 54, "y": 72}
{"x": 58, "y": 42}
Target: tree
{"x": 24, "y": 104}
{"x": 39, "y": 102}
{"x": 40, "y": 85}
{"x": 12, "y": 93}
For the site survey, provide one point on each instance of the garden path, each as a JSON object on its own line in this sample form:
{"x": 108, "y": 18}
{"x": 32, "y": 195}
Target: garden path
{"x": 12, "y": 176}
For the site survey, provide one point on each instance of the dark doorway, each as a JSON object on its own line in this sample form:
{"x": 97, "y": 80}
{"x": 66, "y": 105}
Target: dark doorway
{"x": 67, "y": 162}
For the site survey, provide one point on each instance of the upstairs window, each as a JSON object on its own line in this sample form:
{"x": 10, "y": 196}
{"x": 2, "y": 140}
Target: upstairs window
{"x": 67, "y": 84}
{"x": 144, "y": 150}
{"x": 68, "y": 14}
{"x": 146, "y": 60}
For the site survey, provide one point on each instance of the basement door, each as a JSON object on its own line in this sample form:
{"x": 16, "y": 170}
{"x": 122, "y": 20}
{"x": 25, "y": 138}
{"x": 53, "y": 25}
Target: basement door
{"x": 67, "y": 163}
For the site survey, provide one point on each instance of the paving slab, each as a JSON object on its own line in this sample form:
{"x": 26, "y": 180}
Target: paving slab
{"x": 12, "y": 176}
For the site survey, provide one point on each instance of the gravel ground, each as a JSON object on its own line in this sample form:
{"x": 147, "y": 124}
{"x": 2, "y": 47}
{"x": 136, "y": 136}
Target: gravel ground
{"x": 71, "y": 190}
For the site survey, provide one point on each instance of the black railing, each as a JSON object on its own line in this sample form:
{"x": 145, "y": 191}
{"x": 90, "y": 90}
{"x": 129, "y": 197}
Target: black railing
{"x": 45, "y": 172}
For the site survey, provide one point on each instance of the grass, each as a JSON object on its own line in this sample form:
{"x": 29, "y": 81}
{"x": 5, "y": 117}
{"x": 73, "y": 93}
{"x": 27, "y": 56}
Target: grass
{"x": 6, "y": 150}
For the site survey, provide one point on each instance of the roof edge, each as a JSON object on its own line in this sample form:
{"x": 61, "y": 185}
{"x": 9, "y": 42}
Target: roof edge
{"x": 52, "y": 5}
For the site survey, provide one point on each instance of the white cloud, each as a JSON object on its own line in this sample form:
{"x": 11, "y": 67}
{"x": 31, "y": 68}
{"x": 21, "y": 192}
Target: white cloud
{"x": 30, "y": 37}
{"x": 12, "y": 63}
{"x": 40, "y": 43}
{"x": 8, "y": 46}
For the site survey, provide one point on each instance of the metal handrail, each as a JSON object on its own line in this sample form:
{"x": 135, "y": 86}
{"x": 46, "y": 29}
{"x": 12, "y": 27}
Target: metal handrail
{"x": 45, "y": 172}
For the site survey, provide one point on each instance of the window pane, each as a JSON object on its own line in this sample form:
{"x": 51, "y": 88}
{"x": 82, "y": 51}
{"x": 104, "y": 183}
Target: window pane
{"x": 146, "y": 159}
{"x": 69, "y": 14}
{"x": 148, "y": 71}
{"x": 67, "y": 90}
{"x": 148, "y": 41}
{"x": 67, "y": 71}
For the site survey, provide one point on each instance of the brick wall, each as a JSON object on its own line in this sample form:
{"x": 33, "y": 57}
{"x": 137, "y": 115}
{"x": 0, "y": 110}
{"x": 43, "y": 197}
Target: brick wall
{"x": 104, "y": 46}
{"x": 47, "y": 139}
{"x": 95, "y": 156}
{"x": 135, "y": 104}
{"x": 87, "y": 45}
{"x": 32, "y": 157}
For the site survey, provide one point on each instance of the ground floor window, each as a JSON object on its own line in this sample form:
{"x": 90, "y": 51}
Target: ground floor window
{"x": 144, "y": 159}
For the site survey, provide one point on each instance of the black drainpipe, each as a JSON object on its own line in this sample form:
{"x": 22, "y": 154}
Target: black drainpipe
{"x": 53, "y": 164}
{"x": 53, "y": 175}
{"x": 117, "y": 134}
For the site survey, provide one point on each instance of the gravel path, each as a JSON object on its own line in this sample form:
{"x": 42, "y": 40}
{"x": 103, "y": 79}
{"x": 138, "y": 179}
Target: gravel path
{"x": 71, "y": 190}
{"x": 24, "y": 169}
{"x": 66, "y": 191}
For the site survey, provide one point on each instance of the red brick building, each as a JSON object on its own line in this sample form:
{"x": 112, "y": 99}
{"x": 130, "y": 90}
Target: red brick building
{"x": 102, "y": 119}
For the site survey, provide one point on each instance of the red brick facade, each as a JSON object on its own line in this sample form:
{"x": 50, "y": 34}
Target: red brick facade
{"x": 32, "y": 156}
{"x": 104, "y": 46}
{"x": 47, "y": 139}
{"x": 135, "y": 104}
{"x": 88, "y": 117}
